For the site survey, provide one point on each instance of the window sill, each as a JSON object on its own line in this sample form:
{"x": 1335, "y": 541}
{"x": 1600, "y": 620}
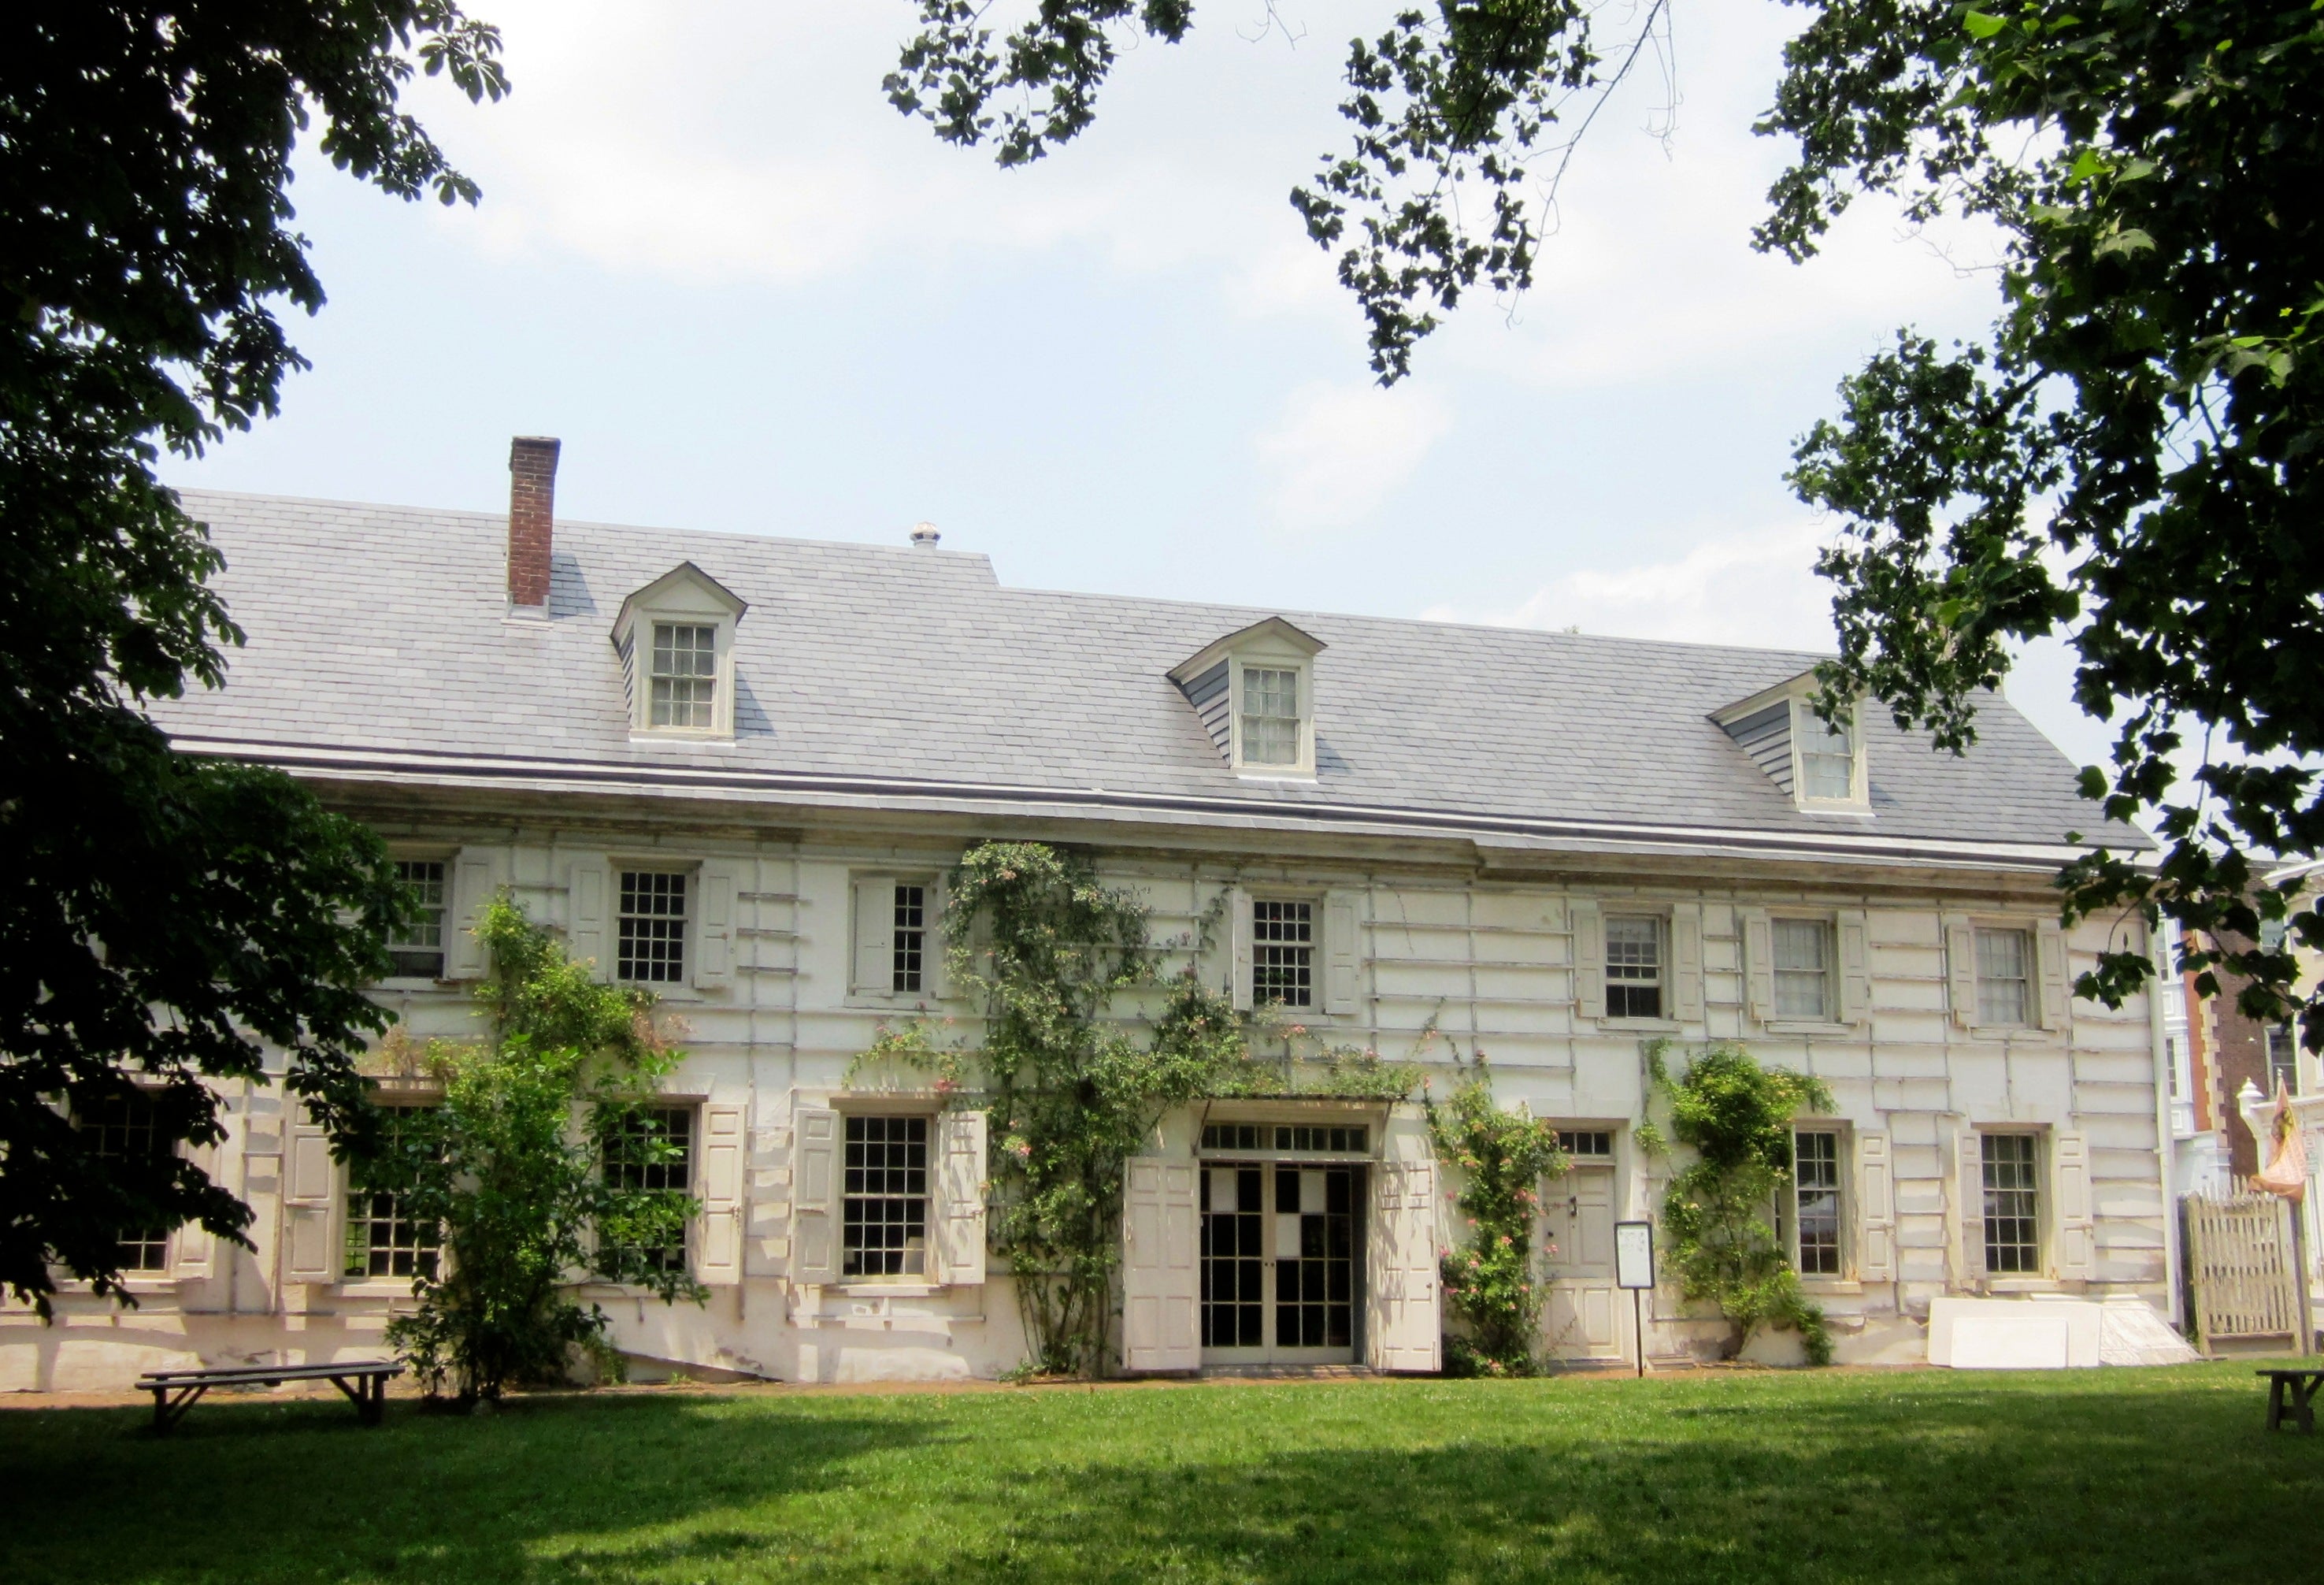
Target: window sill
{"x": 872, "y": 1001}
{"x": 1837, "y": 1287}
{"x": 681, "y": 740}
{"x": 1848, "y": 810}
{"x": 1809, "y": 1026}
{"x": 377, "y": 1288}
{"x": 889, "y": 1290}
{"x": 2023, "y": 1285}
{"x": 1644, "y": 1025}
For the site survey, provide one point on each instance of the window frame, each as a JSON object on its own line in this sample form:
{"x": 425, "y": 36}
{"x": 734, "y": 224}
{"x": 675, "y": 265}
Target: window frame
{"x": 2040, "y": 1189}
{"x": 682, "y": 983}
{"x": 1842, "y": 1189}
{"x": 1806, "y": 724}
{"x": 1317, "y": 965}
{"x": 408, "y": 1100}
{"x": 2030, "y": 1009}
{"x": 445, "y": 927}
{"x": 1828, "y": 925}
{"x": 933, "y": 979}
{"x": 690, "y": 1108}
{"x": 166, "y": 1244}
{"x": 850, "y": 1120}
{"x": 1302, "y": 668}
{"x": 2286, "y": 1063}
{"x": 1664, "y": 986}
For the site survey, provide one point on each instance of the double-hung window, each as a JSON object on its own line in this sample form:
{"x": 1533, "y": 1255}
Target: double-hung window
{"x": 911, "y": 947}
{"x": 1282, "y": 953}
{"x": 1827, "y": 758}
{"x": 652, "y": 939}
{"x": 1802, "y": 969}
{"x": 884, "y": 1230}
{"x": 127, "y": 1128}
{"x": 1634, "y": 966}
{"x": 417, "y": 950}
{"x": 684, "y": 676}
{"x": 1270, "y": 716}
{"x": 1816, "y": 1202}
{"x": 2004, "y": 976}
{"x": 2282, "y": 1060}
{"x": 2011, "y": 1165}
{"x": 651, "y": 1148}
{"x": 383, "y": 1239}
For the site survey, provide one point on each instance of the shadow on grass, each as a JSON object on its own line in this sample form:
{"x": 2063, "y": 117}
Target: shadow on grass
{"x": 248, "y": 1491}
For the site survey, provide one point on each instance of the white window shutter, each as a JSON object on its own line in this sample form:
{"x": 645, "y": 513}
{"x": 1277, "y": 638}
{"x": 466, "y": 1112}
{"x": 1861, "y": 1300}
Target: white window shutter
{"x": 874, "y": 971}
{"x": 1961, "y": 971}
{"x": 2069, "y": 1171}
{"x": 588, "y": 909}
{"x": 1588, "y": 927}
{"x": 310, "y": 1181}
{"x": 814, "y": 1194}
{"x": 2057, "y": 984}
{"x": 718, "y": 1257}
{"x": 1341, "y": 957}
{"x": 957, "y": 1208}
{"x": 1875, "y": 1205}
{"x": 714, "y": 930}
{"x": 1403, "y": 1326}
{"x": 1686, "y": 962}
{"x": 1161, "y": 1282}
{"x": 477, "y": 874}
{"x": 1239, "y": 929}
{"x": 1759, "y": 964}
{"x": 193, "y": 1249}
{"x": 1971, "y": 1176}
{"x": 1855, "y": 942}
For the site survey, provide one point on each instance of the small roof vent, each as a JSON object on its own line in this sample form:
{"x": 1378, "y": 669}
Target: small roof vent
{"x": 926, "y": 534}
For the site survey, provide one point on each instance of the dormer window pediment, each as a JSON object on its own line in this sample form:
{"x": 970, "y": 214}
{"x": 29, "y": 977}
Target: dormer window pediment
{"x": 1819, "y": 765}
{"x": 1255, "y": 691}
{"x": 676, "y": 640}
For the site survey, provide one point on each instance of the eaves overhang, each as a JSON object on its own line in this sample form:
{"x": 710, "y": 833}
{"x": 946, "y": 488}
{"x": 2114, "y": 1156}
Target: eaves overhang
{"x": 1509, "y": 839}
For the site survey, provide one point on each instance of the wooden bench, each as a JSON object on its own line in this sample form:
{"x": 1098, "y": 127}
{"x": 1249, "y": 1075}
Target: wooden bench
{"x": 2290, "y": 1394}
{"x": 364, "y": 1381}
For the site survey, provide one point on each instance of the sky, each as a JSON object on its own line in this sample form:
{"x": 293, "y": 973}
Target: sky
{"x": 750, "y": 296}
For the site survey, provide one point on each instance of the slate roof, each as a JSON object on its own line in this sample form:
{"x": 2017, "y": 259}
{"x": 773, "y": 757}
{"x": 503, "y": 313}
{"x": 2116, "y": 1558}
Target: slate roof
{"x": 384, "y": 628}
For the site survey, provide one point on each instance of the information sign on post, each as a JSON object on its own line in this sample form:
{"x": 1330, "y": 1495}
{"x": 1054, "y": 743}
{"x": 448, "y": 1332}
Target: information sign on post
{"x": 1634, "y": 1268}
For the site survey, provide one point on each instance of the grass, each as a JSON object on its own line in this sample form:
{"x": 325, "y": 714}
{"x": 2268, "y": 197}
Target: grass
{"x": 2111, "y": 1475}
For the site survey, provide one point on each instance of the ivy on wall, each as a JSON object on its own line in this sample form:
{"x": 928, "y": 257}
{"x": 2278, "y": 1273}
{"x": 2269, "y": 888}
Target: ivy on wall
{"x": 1489, "y": 1282}
{"x": 1736, "y": 1116}
{"x": 1046, "y": 949}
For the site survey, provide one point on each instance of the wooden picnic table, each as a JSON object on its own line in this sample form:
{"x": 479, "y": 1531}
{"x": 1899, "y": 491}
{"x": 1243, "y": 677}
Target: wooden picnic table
{"x": 2290, "y": 1394}
{"x": 364, "y": 1381}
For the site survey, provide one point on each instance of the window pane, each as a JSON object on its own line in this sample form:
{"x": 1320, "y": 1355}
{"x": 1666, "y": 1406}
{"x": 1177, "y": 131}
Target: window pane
{"x": 2004, "y": 958}
{"x": 652, "y": 944}
{"x": 1802, "y": 969}
{"x": 911, "y": 938}
{"x": 652, "y": 1148}
{"x": 1634, "y": 966}
{"x": 886, "y": 1205}
{"x": 1282, "y": 953}
{"x": 2013, "y": 1237}
{"x": 1827, "y": 756}
{"x": 1815, "y": 1190}
{"x": 2282, "y": 1059}
{"x": 417, "y": 950}
{"x": 383, "y": 1240}
{"x": 684, "y": 676}
{"x": 1271, "y": 718}
{"x": 128, "y": 1127}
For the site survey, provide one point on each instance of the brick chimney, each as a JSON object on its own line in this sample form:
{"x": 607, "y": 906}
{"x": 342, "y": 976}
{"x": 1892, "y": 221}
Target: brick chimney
{"x": 532, "y": 518}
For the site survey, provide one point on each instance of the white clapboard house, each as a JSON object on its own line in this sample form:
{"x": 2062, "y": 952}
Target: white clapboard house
{"x": 735, "y": 768}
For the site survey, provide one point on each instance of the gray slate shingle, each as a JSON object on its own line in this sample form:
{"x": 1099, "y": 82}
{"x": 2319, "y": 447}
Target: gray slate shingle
{"x": 384, "y": 628}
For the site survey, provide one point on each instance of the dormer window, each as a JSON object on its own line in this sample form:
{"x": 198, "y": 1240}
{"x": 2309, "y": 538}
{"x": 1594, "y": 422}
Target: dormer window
{"x": 684, "y": 676}
{"x": 1818, "y": 765}
{"x": 676, "y": 641}
{"x": 1254, "y": 691}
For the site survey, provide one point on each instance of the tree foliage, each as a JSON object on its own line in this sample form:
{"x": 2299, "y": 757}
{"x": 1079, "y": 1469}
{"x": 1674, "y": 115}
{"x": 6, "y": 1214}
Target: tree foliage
{"x": 1736, "y": 1116}
{"x": 2131, "y": 457}
{"x": 1491, "y": 1282}
{"x": 525, "y": 1201}
{"x": 163, "y": 917}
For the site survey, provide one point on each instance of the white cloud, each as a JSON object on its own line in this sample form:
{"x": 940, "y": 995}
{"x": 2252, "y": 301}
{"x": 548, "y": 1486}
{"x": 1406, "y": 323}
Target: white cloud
{"x": 1343, "y": 449}
{"x": 1756, "y": 588}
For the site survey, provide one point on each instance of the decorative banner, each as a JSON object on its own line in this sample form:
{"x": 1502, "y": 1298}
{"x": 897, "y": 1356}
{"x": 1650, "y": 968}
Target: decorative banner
{"x": 1634, "y": 1254}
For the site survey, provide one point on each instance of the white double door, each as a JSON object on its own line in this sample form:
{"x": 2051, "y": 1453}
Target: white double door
{"x": 1583, "y": 1317}
{"x": 1281, "y": 1279}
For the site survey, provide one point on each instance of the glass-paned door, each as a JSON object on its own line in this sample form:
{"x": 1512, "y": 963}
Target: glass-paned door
{"x": 1278, "y": 1257}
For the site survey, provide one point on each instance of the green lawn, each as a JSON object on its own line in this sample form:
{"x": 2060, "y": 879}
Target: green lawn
{"x": 1924, "y": 1476}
